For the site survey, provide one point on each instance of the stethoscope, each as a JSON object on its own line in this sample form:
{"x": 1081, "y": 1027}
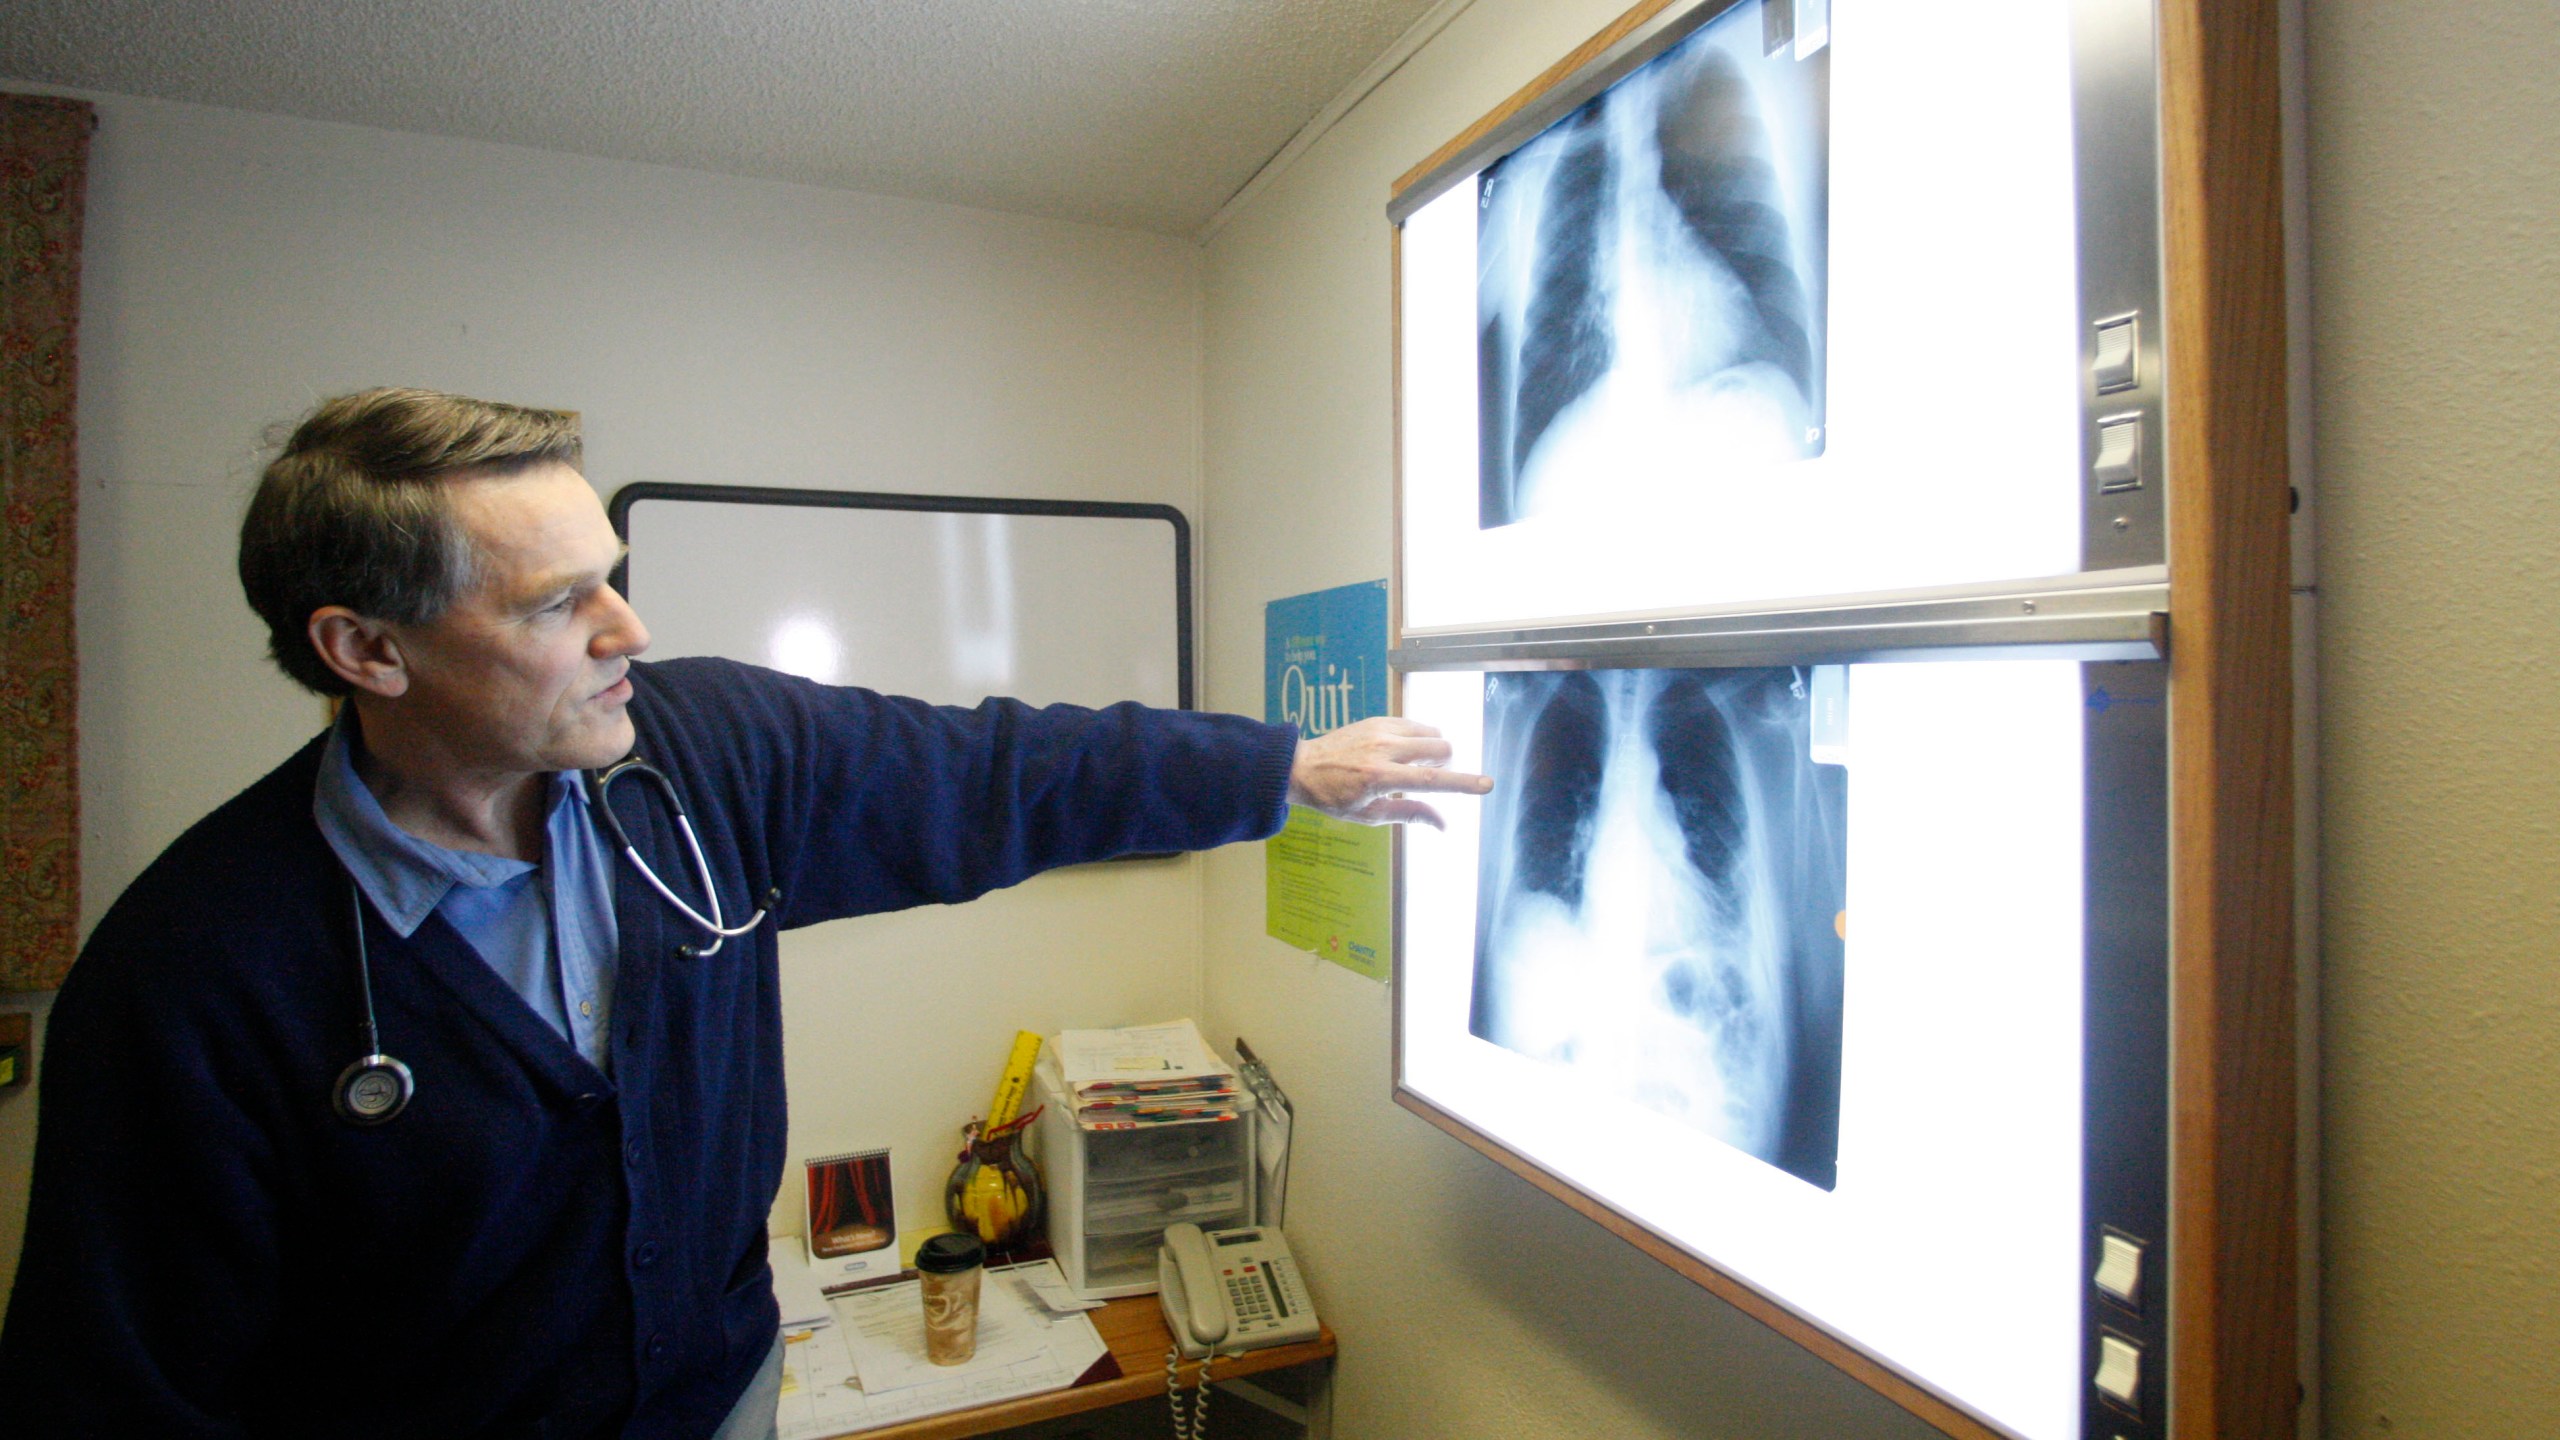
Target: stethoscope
{"x": 599, "y": 782}
{"x": 377, "y": 1087}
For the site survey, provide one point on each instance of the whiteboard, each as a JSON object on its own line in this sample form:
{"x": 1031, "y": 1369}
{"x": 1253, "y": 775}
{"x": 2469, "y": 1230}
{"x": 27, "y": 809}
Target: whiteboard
{"x": 946, "y": 598}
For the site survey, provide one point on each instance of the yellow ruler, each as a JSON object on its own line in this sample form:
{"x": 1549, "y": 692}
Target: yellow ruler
{"x": 1017, "y": 1079}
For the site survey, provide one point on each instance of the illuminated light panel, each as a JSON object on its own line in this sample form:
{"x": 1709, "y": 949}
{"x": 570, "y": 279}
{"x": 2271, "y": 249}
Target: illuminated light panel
{"x": 1952, "y": 449}
{"x": 1949, "y": 1247}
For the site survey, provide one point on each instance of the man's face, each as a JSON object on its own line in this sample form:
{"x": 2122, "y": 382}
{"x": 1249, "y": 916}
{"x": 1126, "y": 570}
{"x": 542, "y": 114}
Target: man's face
{"x": 524, "y": 673}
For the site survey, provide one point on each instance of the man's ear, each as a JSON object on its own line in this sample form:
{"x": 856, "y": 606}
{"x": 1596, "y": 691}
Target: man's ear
{"x": 362, "y": 652}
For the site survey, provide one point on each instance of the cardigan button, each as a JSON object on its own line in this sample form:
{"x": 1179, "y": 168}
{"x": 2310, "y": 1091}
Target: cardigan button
{"x": 587, "y": 1102}
{"x": 631, "y": 1151}
{"x": 657, "y": 1347}
{"x": 645, "y": 1256}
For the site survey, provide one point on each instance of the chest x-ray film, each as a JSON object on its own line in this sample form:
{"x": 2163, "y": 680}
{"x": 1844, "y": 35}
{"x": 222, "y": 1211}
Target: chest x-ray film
{"x": 1777, "y": 314}
{"x": 1661, "y": 896}
{"x": 1786, "y": 965}
{"x": 1650, "y": 279}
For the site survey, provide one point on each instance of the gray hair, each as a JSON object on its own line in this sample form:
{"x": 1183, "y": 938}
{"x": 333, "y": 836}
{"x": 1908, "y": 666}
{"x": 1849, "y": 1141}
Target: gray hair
{"x": 354, "y": 511}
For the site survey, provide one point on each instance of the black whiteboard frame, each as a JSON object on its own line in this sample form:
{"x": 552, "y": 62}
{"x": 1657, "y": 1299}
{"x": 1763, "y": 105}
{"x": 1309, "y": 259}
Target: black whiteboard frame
{"x": 619, "y": 511}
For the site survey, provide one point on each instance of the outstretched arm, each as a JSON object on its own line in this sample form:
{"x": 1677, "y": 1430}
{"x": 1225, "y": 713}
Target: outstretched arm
{"x": 1366, "y": 772}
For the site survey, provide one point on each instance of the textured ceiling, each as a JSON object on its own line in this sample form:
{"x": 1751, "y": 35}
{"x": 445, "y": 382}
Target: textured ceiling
{"x": 1139, "y": 113}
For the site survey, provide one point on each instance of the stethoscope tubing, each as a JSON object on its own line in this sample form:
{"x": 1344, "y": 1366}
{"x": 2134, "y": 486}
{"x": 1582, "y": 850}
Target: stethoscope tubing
{"x": 599, "y": 785}
{"x": 375, "y": 1087}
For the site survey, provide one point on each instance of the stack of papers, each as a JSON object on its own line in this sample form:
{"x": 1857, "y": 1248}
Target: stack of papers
{"x": 869, "y": 1369}
{"x": 795, "y": 1289}
{"x": 1146, "y": 1075}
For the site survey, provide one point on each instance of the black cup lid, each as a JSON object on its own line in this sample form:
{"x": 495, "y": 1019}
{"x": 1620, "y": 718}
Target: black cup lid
{"x": 950, "y": 1253}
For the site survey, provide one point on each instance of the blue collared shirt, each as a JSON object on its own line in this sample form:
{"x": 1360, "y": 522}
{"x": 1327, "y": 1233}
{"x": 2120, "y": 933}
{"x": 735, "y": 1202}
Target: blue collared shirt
{"x": 547, "y": 929}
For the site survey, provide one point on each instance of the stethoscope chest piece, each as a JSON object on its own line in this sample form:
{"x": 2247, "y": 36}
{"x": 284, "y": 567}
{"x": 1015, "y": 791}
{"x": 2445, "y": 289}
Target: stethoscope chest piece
{"x": 374, "y": 1087}
{"x": 372, "y": 1090}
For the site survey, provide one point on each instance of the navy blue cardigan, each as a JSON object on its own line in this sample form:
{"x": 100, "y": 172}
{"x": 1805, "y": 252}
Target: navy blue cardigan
{"x": 531, "y": 1249}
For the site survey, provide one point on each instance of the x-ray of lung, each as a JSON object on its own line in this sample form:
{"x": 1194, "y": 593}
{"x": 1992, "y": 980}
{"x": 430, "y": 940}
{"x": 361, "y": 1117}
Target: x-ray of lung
{"x": 1652, "y": 274}
{"x": 1661, "y": 899}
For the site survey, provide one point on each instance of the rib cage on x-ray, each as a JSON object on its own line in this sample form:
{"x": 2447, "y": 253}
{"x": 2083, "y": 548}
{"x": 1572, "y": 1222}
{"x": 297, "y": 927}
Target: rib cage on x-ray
{"x": 1662, "y": 890}
{"x": 1650, "y": 282}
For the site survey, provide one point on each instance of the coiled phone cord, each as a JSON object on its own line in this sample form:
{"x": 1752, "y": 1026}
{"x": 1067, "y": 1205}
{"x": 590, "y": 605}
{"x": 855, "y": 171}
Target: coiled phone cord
{"x": 1190, "y": 1416}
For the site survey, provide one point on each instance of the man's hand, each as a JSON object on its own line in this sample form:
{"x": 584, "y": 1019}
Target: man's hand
{"x": 1362, "y": 772}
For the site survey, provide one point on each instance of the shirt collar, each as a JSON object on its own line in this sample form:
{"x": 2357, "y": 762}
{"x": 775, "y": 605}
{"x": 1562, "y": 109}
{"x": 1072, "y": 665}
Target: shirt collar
{"x": 405, "y": 877}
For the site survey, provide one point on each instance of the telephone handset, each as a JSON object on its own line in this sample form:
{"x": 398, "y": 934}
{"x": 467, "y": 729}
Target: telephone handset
{"x": 1231, "y": 1290}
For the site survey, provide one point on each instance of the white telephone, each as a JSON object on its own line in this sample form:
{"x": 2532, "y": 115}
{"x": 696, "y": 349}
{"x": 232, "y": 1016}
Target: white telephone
{"x": 1231, "y": 1290}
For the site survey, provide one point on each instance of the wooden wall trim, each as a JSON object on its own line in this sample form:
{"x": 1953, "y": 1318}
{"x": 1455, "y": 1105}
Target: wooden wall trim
{"x": 1528, "y": 94}
{"x": 2232, "y": 1309}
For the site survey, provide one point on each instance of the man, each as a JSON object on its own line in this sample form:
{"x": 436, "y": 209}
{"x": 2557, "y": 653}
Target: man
{"x": 543, "y": 1215}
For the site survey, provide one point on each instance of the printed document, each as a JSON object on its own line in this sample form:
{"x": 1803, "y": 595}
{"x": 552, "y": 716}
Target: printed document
{"x": 823, "y": 1390}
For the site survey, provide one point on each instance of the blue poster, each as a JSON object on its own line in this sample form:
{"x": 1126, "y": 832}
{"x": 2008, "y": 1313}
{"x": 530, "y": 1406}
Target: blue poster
{"x": 1326, "y": 880}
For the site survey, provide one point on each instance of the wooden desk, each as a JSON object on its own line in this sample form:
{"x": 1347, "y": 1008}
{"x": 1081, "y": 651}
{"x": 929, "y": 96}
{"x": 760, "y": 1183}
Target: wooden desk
{"x": 1134, "y": 1329}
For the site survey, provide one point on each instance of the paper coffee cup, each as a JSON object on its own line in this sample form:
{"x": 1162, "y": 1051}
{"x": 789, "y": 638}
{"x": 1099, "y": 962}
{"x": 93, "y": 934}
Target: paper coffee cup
{"x": 950, "y": 1267}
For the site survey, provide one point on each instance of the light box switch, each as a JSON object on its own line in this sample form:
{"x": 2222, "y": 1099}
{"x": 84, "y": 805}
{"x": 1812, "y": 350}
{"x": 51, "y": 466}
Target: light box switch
{"x": 2119, "y": 462}
{"x": 2119, "y": 1375}
{"x": 2118, "y": 365}
{"x": 2120, "y": 1268}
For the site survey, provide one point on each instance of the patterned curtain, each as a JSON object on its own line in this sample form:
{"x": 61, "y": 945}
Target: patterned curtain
{"x": 44, "y": 154}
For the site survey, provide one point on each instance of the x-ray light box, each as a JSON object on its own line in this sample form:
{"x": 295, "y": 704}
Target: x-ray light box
{"x": 1787, "y": 301}
{"x": 1788, "y": 965}
{"x": 1781, "y": 498}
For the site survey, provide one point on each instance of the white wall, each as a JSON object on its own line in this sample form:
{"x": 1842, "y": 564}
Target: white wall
{"x": 2435, "y": 281}
{"x": 240, "y": 267}
{"x": 1469, "y": 1304}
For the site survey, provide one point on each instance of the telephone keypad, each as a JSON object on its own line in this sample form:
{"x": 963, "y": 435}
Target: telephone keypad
{"x": 1249, "y": 1300}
